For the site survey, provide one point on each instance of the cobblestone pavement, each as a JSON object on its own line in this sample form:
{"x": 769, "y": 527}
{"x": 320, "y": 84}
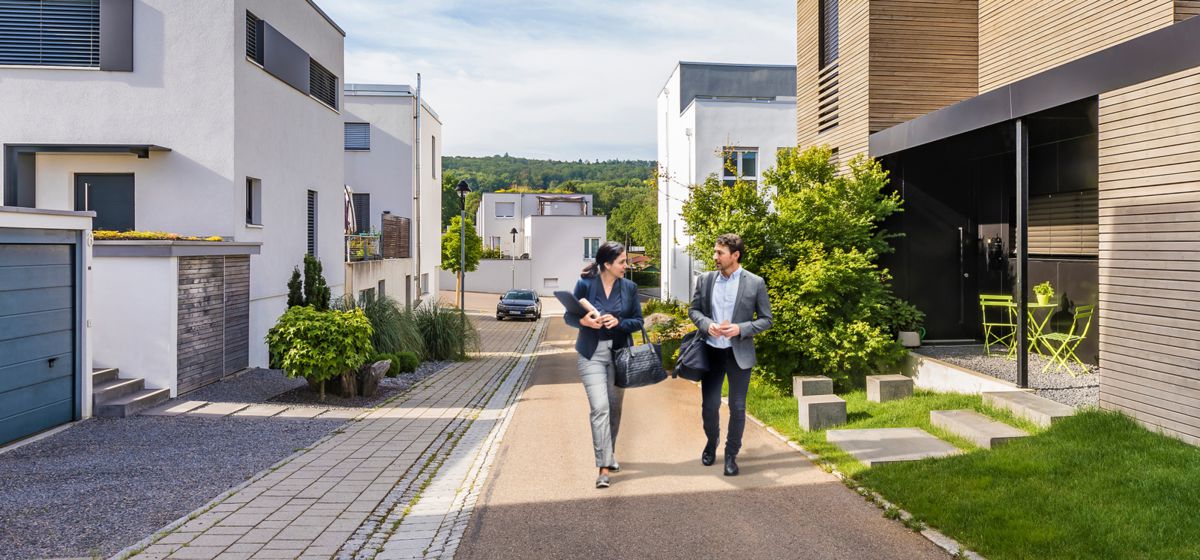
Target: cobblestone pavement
{"x": 397, "y": 482}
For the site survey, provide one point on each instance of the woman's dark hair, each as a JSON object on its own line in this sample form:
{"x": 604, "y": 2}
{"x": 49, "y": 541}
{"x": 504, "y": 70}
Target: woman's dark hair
{"x": 607, "y": 254}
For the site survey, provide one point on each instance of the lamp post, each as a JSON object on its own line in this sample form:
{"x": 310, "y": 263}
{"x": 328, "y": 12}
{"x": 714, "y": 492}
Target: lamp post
{"x": 463, "y": 188}
{"x": 514, "y": 258}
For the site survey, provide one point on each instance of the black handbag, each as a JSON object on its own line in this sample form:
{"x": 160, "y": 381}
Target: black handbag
{"x": 639, "y": 366}
{"x": 693, "y": 357}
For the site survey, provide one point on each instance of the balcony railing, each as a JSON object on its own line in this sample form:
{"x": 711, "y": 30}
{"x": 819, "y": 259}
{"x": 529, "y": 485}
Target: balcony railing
{"x": 362, "y": 247}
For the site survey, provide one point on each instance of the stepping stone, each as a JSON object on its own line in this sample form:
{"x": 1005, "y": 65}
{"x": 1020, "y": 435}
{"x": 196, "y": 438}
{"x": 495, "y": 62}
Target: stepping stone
{"x": 174, "y": 409}
{"x": 884, "y": 388}
{"x": 809, "y": 385}
{"x": 890, "y": 445}
{"x": 218, "y": 409}
{"x": 301, "y": 412}
{"x": 818, "y": 412}
{"x": 1038, "y": 410}
{"x": 341, "y": 413}
{"x": 260, "y": 411}
{"x": 977, "y": 428}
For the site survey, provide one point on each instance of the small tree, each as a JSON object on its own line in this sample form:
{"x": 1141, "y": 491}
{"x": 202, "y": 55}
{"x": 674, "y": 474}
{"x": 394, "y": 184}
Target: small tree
{"x": 320, "y": 345}
{"x": 316, "y": 291}
{"x": 295, "y": 289}
{"x": 451, "y": 251}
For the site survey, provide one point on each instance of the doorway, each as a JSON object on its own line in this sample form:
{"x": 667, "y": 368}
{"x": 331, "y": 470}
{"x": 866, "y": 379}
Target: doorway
{"x": 110, "y": 196}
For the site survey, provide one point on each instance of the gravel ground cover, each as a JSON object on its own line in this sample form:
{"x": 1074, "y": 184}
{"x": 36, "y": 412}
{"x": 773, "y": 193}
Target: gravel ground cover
{"x": 388, "y": 388}
{"x": 1083, "y": 390}
{"x": 107, "y": 483}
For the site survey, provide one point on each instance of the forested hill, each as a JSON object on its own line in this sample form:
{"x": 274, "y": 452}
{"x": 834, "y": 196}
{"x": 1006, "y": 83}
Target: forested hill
{"x": 493, "y": 173}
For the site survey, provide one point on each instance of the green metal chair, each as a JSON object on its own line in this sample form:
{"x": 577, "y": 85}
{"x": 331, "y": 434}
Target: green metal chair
{"x": 999, "y": 320}
{"x": 1062, "y": 345}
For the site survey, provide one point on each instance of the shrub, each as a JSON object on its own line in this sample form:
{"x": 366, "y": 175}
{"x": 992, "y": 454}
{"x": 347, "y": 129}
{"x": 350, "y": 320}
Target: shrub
{"x": 295, "y": 289}
{"x": 316, "y": 292}
{"x": 670, "y": 307}
{"x": 319, "y": 345}
{"x": 448, "y": 335}
{"x": 394, "y": 327}
{"x": 404, "y": 362}
{"x": 109, "y": 235}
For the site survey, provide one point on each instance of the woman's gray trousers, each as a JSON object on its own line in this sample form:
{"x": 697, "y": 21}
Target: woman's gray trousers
{"x": 598, "y": 375}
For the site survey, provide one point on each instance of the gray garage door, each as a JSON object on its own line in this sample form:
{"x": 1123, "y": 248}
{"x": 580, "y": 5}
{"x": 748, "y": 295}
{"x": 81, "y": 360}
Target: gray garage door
{"x": 37, "y": 337}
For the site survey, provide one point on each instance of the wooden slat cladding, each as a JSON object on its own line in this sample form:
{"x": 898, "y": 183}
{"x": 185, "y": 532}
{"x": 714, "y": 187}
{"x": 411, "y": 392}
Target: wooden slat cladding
{"x": 1150, "y": 253}
{"x": 1019, "y": 38}
{"x": 808, "y": 62}
{"x": 924, "y": 56}
{"x": 1186, "y": 8}
{"x": 396, "y": 242}
{"x": 214, "y": 319}
{"x": 237, "y": 313}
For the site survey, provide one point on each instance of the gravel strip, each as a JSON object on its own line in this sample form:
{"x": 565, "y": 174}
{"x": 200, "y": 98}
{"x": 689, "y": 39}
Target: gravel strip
{"x": 1056, "y": 386}
{"x": 254, "y": 386}
{"x": 107, "y": 483}
{"x": 388, "y": 388}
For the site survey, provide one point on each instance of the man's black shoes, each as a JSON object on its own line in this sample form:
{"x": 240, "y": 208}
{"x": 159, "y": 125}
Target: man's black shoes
{"x": 707, "y": 458}
{"x": 731, "y": 468}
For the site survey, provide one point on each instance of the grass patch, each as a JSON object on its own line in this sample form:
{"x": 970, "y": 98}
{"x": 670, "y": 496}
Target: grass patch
{"x": 1096, "y": 485}
{"x": 778, "y": 410}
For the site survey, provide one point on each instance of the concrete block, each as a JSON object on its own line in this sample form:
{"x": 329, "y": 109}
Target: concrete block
{"x": 890, "y": 445}
{"x": 884, "y": 388}
{"x": 809, "y": 385}
{"x": 977, "y": 428}
{"x": 1039, "y": 410}
{"x": 818, "y": 412}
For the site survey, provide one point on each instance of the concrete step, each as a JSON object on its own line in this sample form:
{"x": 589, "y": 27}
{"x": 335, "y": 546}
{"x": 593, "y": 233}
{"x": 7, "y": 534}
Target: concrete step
{"x": 1041, "y": 411}
{"x": 977, "y": 428}
{"x": 809, "y": 385}
{"x": 818, "y": 412}
{"x": 116, "y": 388}
{"x": 132, "y": 403}
{"x": 884, "y": 388}
{"x": 100, "y": 375}
{"x": 880, "y": 446}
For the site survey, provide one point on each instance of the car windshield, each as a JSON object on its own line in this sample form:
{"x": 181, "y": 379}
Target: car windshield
{"x": 520, "y": 294}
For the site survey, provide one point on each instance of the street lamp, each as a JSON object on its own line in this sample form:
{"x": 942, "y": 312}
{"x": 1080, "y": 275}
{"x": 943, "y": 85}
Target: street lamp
{"x": 463, "y": 188}
{"x": 514, "y": 258}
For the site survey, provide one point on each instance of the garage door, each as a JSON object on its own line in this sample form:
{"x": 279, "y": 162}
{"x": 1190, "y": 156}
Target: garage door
{"x": 37, "y": 338}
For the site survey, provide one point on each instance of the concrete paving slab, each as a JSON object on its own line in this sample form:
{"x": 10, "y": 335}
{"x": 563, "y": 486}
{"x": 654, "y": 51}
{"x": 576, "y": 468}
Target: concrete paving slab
{"x": 977, "y": 428}
{"x": 890, "y": 445}
{"x": 174, "y": 408}
{"x": 260, "y": 411}
{"x": 1041, "y": 411}
{"x": 301, "y": 412}
{"x": 217, "y": 409}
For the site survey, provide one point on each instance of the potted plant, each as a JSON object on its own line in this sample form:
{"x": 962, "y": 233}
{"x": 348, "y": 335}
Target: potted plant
{"x": 1045, "y": 293}
{"x": 907, "y": 320}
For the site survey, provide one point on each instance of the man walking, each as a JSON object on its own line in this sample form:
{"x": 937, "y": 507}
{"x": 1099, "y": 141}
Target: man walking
{"x": 730, "y": 305}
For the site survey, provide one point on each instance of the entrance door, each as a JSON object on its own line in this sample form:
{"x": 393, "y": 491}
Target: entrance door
{"x": 37, "y": 338}
{"x": 110, "y": 196}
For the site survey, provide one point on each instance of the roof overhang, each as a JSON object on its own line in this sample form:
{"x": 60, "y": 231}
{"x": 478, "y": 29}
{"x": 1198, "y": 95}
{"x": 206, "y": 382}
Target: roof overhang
{"x": 140, "y": 150}
{"x": 1172, "y": 49}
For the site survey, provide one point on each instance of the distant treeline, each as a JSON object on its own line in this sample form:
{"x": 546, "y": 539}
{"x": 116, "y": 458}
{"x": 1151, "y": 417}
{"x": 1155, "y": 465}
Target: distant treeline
{"x": 492, "y": 173}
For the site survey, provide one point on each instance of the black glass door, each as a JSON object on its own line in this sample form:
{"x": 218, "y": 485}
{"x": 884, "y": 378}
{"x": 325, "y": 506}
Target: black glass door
{"x": 110, "y": 196}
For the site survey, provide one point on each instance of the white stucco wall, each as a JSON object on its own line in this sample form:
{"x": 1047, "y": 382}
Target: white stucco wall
{"x": 364, "y": 275}
{"x": 524, "y": 206}
{"x": 557, "y": 249}
{"x": 493, "y": 276}
{"x": 136, "y": 318}
{"x": 430, "y": 179}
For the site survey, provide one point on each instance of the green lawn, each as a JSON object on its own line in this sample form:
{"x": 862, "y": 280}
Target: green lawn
{"x": 1096, "y": 485}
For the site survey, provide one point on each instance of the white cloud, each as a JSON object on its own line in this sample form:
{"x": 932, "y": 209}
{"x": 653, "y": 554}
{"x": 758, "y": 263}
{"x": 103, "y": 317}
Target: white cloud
{"x": 560, "y": 79}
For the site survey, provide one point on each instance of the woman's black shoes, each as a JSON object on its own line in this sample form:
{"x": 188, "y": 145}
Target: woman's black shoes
{"x": 707, "y": 458}
{"x": 731, "y": 468}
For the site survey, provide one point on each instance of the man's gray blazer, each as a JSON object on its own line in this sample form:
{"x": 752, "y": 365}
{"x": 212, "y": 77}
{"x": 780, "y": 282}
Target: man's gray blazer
{"x": 751, "y": 312}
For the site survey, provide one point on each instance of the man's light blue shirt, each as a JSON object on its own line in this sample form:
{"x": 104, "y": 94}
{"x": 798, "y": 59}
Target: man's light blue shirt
{"x": 724, "y": 296}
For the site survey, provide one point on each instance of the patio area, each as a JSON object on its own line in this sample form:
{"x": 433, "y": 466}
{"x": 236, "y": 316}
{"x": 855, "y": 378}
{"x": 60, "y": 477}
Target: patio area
{"x": 1054, "y": 384}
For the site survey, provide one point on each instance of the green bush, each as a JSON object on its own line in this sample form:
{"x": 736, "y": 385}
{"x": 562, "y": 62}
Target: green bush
{"x": 319, "y": 345}
{"x": 448, "y": 334}
{"x": 670, "y": 307}
{"x": 404, "y": 362}
{"x": 394, "y": 327}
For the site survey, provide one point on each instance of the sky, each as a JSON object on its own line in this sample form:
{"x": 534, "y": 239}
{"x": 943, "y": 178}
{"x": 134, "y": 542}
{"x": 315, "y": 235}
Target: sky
{"x": 562, "y": 79}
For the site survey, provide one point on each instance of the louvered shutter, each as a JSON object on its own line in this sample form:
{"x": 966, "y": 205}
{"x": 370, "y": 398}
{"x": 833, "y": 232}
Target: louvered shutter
{"x": 1064, "y": 224}
{"x": 50, "y": 33}
{"x": 312, "y": 223}
{"x": 254, "y": 49}
{"x": 362, "y": 212}
{"x": 322, "y": 84}
{"x": 358, "y": 136}
{"x": 829, "y": 32}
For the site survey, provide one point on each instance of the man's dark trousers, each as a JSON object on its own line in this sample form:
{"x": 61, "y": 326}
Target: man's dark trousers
{"x": 721, "y": 364}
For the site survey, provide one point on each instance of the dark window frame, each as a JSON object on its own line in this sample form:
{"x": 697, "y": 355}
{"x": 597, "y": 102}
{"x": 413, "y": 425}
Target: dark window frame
{"x": 827, "y": 33}
{"x": 63, "y": 35}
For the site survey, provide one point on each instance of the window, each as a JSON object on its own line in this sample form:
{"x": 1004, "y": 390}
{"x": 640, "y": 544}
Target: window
{"x": 549, "y": 282}
{"x": 362, "y": 212}
{"x": 590, "y": 246}
{"x": 424, "y": 283}
{"x": 433, "y": 157}
{"x": 505, "y": 209}
{"x": 494, "y": 242}
{"x": 358, "y": 136}
{"x": 254, "y": 26}
{"x": 827, "y": 75}
{"x": 739, "y": 163}
{"x": 322, "y": 84}
{"x": 312, "y": 223}
{"x": 50, "y": 33}
{"x": 828, "y": 32}
{"x": 382, "y": 294}
{"x": 253, "y": 201}
{"x": 366, "y": 296}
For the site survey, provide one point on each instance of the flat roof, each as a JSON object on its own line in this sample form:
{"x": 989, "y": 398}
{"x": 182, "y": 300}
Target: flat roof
{"x": 326, "y": 16}
{"x": 1172, "y": 49}
{"x": 727, "y": 80}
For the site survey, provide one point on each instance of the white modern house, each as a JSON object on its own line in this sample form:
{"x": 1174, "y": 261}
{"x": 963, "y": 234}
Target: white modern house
{"x": 546, "y": 240}
{"x": 727, "y": 120}
{"x": 390, "y": 146}
{"x": 216, "y": 118}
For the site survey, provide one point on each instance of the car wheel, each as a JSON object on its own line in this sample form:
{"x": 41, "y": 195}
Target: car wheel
{"x": 499, "y": 318}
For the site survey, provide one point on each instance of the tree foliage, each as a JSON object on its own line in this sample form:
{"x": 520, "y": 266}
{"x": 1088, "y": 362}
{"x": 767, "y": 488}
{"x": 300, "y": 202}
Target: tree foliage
{"x": 313, "y": 290}
{"x": 451, "y": 253}
{"x": 815, "y": 236}
{"x": 319, "y": 345}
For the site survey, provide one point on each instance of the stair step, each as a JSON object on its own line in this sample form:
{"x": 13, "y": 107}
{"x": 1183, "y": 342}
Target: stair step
{"x": 133, "y": 403}
{"x": 1038, "y": 410}
{"x": 100, "y": 375}
{"x": 116, "y": 388}
{"x": 977, "y": 428}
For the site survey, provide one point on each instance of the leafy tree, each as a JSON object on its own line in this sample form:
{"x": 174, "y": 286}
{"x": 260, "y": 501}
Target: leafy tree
{"x": 319, "y": 345}
{"x": 817, "y": 245}
{"x": 451, "y": 251}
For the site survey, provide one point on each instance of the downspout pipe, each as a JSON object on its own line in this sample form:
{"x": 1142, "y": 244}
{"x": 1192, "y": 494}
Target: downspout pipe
{"x": 417, "y": 182}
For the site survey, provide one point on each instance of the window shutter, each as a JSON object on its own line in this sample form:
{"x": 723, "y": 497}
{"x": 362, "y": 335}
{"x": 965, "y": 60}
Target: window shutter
{"x": 50, "y": 33}
{"x": 362, "y": 212}
{"x": 829, "y": 32}
{"x": 322, "y": 84}
{"x": 1064, "y": 224}
{"x": 312, "y": 223}
{"x": 358, "y": 136}
{"x": 254, "y": 50}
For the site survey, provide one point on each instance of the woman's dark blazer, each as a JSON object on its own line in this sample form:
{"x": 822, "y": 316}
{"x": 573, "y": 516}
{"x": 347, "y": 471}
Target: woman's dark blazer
{"x": 630, "y": 316}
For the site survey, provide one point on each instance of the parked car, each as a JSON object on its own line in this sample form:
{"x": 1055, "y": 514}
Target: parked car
{"x": 519, "y": 304}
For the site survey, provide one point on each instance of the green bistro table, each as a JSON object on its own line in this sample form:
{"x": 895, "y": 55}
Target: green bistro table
{"x": 1036, "y": 327}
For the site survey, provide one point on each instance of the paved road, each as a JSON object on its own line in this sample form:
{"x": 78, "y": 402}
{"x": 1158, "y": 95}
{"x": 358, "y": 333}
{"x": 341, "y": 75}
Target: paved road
{"x": 539, "y": 501}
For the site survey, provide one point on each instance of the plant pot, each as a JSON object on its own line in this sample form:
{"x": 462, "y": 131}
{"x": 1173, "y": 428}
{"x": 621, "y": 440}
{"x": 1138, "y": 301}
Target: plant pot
{"x": 1044, "y": 299}
{"x": 910, "y": 339}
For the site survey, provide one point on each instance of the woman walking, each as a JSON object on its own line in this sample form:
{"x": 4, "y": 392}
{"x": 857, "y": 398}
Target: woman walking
{"x": 604, "y": 285}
